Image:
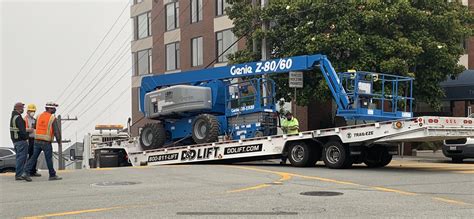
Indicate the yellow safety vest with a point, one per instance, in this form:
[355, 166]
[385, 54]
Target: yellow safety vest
[292, 126]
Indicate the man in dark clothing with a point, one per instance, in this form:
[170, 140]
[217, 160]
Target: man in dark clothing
[19, 136]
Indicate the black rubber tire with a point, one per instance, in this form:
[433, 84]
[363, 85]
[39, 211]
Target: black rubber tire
[335, 148]
[211, 132]
[377, 156]
[457, 159]
[7, 170]
[259, 134]
[156, 134]
[301, 154]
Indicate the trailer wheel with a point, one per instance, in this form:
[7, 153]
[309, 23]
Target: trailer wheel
[153, 136]
[377, 156]
[336, 155]
[301, 155]
[205, 129]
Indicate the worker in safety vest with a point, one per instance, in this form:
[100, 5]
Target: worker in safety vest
[30, 123]
[47, 128]
[19, 136]
[290, 125]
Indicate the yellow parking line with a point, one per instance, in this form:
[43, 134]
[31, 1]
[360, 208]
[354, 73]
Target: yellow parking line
[249, 188]
[393, 190]
[378, 188]
[284, 177]
[465, 171]
[450, 201]
[74, 212]
[326, 180]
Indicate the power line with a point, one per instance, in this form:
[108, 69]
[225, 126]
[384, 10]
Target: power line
[87, 109]
[79, 102]
[95, 50]
[118, 58]
[95, 63]
[119, 51]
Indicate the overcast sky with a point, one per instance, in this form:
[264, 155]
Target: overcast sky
[44, 44]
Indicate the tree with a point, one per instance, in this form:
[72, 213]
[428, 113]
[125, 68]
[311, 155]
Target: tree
[421, 39]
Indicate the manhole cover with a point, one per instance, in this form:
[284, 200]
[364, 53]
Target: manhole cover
[321, 193]
[115, 183]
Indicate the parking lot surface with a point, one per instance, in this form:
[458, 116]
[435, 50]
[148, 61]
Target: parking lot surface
[429, 188]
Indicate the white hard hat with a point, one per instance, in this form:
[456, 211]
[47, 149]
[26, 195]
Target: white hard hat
[51, 104]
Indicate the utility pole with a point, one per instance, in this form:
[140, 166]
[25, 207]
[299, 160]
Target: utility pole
[60, 141]
[254, 41]
[264, 48]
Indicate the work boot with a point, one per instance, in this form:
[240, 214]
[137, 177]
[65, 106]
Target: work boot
[27, 178]
[35, 174]
[19, 178]
[55, 178]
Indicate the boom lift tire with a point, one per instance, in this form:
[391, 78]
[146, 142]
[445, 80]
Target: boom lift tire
[336, 155]
[153, 136]
[377, 156]
[205, 129]
[301, 154]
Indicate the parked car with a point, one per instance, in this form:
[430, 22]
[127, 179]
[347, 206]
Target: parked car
[7, 160]
[459, 149]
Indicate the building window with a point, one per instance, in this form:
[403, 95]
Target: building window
[172, 16]
[220, 7]
[142, 61]
[172, 56]
[142, 25]
[196, 51]
[225, 44]
[196, 11]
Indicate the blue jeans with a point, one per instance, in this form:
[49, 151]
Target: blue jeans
[21, 149]
[47, 148]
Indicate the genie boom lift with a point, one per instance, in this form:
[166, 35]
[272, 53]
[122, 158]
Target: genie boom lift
[231, 102]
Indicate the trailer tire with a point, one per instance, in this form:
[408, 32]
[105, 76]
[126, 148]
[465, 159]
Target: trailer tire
[301, 155]
[153, 136]
[336, 155]
[377, 156]
[205, 129]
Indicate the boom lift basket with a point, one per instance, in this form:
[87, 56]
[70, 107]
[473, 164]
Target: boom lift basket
[376, 96]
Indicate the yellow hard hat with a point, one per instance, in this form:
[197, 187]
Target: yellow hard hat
[31, 107]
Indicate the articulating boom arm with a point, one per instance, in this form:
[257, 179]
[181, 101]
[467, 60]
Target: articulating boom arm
[276, 66]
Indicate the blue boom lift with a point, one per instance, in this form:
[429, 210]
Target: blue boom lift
[197, 107]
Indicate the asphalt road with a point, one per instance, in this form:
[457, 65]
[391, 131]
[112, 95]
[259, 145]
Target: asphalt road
[407, 188]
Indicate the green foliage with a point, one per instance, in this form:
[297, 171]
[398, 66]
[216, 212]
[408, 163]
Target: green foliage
[421, 39]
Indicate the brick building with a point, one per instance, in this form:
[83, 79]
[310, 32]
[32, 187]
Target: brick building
[180, 35]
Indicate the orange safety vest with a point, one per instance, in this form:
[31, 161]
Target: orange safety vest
[44, 127]
[26, 121]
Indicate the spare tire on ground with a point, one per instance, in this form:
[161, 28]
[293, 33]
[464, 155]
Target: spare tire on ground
[205, 129]
[152, 136]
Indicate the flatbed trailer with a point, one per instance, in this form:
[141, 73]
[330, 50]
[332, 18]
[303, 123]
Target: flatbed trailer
[373, 143]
